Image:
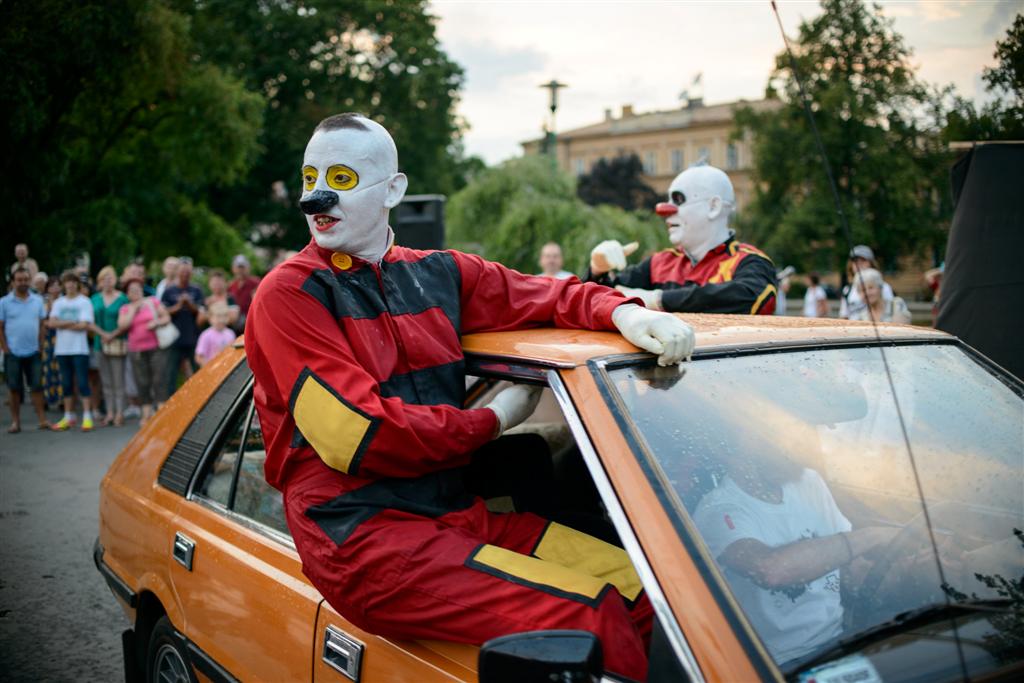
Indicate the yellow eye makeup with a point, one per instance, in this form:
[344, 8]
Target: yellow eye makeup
[309, 176]
[341, 177]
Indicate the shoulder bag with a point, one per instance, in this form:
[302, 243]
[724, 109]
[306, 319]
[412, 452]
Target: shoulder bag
[167, 333]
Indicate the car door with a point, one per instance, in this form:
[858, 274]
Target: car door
[344, 652]
[235, 571]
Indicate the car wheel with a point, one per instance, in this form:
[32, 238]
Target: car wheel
[166, 660]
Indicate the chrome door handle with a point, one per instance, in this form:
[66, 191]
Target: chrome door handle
[342, 653]
[184, 549]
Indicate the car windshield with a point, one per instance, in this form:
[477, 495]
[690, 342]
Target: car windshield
[792, 470]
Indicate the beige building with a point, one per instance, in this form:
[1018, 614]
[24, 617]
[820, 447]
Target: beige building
[666, 142]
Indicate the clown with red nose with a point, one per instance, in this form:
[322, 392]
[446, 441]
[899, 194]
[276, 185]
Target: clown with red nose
[707, 270]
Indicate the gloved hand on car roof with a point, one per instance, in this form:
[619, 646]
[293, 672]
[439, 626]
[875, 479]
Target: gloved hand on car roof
[513, 405]
[656, 331]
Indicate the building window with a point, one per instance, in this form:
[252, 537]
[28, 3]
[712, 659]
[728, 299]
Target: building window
[650, 163]
[704, 155]
[732, 157]
[580, 166]
[677, 160]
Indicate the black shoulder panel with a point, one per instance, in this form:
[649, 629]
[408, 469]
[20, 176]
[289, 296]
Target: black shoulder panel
[177, 470]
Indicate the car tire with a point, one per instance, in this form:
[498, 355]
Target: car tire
[167, 659]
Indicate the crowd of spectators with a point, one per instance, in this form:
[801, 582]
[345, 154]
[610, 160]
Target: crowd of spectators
[121, 345]
[113, 347]
[866, 295]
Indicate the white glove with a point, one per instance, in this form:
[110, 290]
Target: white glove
[610, 255]
[513, 405]
[651, 297]
[655, 331]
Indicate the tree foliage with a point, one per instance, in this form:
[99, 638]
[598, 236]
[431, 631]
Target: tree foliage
[508, 212]
[178, 126]
[1002, 118]
[881, 130]
[314, 58]
[617, 182]
[114, 136]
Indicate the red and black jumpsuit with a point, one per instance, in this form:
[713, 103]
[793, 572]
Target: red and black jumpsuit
[359, 385]
[731, 278]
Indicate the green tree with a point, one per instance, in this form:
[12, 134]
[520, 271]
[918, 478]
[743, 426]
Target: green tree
[1008, 75]
[1002, 118]
[508, 212]
[114, 136]
[880, 129]
[618, 182]
[314, 58]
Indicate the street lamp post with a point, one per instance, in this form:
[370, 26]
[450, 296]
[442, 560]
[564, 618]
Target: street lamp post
[550, 138]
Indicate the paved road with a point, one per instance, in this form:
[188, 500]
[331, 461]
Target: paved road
[58, 619]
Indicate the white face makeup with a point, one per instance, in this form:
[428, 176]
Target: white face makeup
[350, 182]
[704, 197]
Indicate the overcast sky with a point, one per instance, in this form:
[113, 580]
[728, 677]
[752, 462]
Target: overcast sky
[645, 53]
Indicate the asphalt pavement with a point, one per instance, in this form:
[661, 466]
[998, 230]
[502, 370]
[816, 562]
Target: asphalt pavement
[58, 619]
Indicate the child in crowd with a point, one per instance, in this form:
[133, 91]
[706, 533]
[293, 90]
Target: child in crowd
[72, 316]
[216, 336]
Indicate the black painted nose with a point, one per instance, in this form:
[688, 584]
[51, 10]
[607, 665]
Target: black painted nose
[318, 202]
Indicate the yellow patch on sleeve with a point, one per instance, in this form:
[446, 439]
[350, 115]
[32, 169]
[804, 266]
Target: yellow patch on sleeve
[588, 555]
[337, 431]
[768, 290]
[541, 575]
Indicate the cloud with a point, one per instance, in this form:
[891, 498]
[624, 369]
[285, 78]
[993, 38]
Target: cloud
[645, 53]
[1002, 14]
[488, 66]
[933, 11]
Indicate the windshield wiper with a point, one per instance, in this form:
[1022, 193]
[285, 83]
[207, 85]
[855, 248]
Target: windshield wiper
[901, 623]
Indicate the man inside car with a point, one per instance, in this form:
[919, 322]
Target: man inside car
[707, 270]
[784, 545]
[359, 383]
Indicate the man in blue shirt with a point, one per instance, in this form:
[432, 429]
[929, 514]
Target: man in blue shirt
[22, 313]
[182, 300]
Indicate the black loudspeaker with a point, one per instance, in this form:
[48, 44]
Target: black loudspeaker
[418, 221]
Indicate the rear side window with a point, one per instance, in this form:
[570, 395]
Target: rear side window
[180, 467]
[254, 497]
[233, 476]
[216, 481]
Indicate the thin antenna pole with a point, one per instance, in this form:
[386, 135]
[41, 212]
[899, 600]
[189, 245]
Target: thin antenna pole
[805, 101]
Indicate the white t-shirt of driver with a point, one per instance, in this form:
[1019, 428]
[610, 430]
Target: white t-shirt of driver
[796, 620]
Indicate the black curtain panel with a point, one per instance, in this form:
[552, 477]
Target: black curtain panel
[982, 299]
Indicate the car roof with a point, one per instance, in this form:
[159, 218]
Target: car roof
[568, 348]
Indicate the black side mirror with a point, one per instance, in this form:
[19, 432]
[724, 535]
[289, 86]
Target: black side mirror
[562, 656]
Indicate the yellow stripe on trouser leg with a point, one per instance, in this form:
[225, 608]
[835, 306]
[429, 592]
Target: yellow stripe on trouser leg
[530, 571]
[588, 555]
[333, 429]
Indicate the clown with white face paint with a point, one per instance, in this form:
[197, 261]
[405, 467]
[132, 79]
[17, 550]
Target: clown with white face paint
[707, 270]
[354, 344]
[350, 181]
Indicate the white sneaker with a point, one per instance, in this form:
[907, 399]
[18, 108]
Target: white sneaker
[132, 412]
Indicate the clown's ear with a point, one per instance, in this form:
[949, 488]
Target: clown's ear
[715, 207]
[397, 186]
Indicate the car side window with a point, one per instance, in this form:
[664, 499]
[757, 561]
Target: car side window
[254, 497]
[234, 476]
[217, 480]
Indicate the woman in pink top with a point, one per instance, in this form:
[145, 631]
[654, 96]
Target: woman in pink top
[140, 317]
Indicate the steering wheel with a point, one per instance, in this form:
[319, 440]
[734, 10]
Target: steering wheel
[870, 597]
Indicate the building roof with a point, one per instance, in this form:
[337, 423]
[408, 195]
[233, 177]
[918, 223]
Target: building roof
[576, 347]
[683, 117]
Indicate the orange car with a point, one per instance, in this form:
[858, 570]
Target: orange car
[788, 519]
